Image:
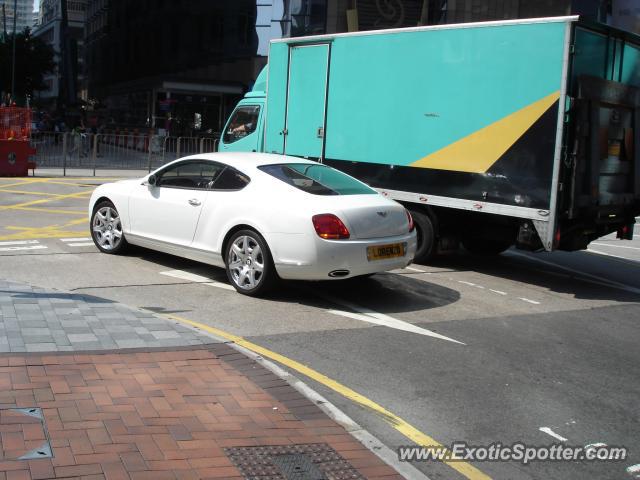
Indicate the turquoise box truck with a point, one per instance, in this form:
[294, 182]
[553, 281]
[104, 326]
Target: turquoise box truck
[493, 134]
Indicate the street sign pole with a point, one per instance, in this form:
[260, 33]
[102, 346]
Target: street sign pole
[13, 57]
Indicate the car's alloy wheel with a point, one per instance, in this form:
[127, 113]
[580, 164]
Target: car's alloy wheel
[249, 265]
[106, 228]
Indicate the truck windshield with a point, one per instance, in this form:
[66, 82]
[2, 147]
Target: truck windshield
[243, 122]
[317, 179]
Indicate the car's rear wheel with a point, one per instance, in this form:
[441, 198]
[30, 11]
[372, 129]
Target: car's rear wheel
[249, 264]
[106, 228]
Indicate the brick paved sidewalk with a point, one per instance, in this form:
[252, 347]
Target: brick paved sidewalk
[190, 412]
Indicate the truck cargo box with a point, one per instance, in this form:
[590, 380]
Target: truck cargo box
[534, 122]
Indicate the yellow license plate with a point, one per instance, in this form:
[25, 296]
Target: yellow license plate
[381, 252]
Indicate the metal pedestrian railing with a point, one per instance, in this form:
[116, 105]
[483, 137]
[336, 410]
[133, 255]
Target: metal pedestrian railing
[113, 151]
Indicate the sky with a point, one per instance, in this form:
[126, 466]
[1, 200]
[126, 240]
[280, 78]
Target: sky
[35, 4]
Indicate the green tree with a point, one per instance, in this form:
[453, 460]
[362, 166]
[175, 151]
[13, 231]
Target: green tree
[34, 59]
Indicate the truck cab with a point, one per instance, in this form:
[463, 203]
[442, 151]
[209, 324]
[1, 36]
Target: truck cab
[244, 131]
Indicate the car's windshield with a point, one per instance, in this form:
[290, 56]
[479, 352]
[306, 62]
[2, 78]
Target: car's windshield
[317, 179]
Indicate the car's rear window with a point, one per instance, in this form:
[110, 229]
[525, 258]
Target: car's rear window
[317, 179]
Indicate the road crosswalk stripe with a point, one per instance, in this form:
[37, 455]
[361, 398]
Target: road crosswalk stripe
[25, 247]
[19, 242]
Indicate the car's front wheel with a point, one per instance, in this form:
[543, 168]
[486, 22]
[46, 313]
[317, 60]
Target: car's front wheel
[106, 228]
[249, 264]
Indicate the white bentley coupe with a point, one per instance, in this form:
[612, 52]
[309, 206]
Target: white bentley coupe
[259, 216]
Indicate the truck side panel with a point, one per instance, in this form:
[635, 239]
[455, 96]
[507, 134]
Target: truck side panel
[306, 100]
[466, 113]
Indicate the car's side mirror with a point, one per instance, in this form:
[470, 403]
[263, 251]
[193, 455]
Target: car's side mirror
[152, 180]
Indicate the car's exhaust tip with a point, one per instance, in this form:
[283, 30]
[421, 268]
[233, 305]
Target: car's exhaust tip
[338, 273]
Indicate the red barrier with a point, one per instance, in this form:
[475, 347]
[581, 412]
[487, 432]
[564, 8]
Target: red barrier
[15, 130]
[14, 158]
[15, 123]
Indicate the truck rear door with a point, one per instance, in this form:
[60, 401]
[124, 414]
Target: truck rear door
[602, 165]
[306, 101]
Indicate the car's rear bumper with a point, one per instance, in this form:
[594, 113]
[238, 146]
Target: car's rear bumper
[314, 258]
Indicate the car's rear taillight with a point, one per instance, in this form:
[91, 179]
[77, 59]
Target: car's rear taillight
[330, 227]
[411, 224]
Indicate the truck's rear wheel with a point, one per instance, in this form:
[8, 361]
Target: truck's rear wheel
[480, 246]
[426, 237]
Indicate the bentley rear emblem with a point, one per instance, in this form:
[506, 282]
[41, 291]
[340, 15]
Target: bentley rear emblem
[382, 214]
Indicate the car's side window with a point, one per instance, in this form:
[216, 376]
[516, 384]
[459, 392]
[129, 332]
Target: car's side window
[231, 179]
[190, 175]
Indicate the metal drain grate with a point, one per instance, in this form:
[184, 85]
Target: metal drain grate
[313, 461]
[24, 434]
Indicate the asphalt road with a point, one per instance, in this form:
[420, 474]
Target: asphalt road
[472, 349]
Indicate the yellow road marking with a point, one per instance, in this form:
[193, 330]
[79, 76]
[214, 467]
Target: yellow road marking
[52, 210]
[45, 200]
[49, 231]
[39, 235]
[70, 184]
[16, 184]
[84, 178]
[413, 434]
[73, 180]
[26, 192]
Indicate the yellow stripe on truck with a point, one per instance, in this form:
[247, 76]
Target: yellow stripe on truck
[476, 153]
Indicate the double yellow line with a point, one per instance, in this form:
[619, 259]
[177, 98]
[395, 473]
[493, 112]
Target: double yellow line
[465, 469]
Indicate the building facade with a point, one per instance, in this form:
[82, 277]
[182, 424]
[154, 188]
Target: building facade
[349, 15]
[24, 18]
[50, 29]
[179, 66]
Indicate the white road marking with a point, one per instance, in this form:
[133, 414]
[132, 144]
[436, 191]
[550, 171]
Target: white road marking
[634, 470]
[19, 242]
[192, 277]
[471, 284]
[528, 300]
[614, 246]
[28, 247]
[79, 239]
[369, 316]
[617, 258]
[84, 244]
[548, 431]
[395, 324]
[587, 276]
[362, 314]
[499, 292]
[415, 269]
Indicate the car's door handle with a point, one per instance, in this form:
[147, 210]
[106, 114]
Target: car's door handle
[194, 201]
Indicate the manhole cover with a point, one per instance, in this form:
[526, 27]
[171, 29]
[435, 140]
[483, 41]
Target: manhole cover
[297, 467]
[23, 434]
[313, 461]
